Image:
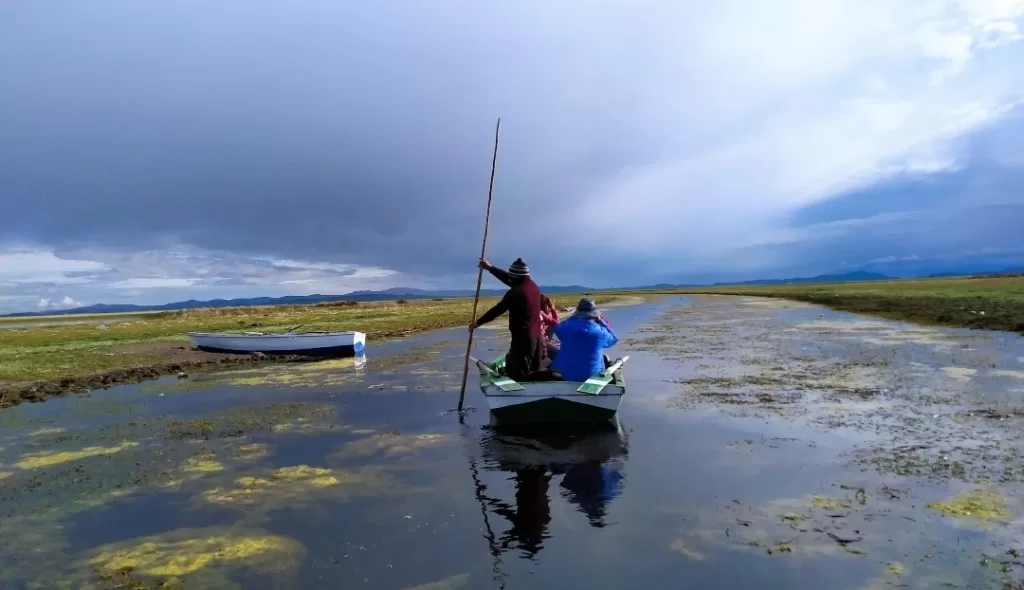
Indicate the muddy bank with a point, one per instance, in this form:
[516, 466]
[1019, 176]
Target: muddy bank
[174, 359]
[167, 358]
[77, 357]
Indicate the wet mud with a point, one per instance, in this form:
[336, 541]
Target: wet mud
[761, 443]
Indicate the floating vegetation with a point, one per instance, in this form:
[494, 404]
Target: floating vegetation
[205, 464]
[896, 569]
[276, 417]
[51, 458]
[202, 557]
[291, 486]
[392, 444]
[251, 451]
[979, 507]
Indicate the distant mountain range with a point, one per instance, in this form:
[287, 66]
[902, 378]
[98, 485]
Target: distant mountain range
[384, 295]
[411, 293]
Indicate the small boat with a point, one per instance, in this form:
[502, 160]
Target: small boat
[593, 401]
[289, 343]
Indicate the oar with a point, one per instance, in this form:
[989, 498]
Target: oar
[480, 270]
[500, 381]
[598, 382]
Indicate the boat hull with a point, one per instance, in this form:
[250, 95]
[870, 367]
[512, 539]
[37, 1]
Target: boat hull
[552, 402]
[555, 410]
[328, 344]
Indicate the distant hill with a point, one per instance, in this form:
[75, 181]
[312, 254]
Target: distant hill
[413, 293]
[849, 277]
[384, 295]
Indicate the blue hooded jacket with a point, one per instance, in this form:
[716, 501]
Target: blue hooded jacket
[581, 355]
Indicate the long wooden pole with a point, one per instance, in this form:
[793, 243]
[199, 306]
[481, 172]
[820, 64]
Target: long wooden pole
[480, 270]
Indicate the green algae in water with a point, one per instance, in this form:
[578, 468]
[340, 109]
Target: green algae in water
[982, 506]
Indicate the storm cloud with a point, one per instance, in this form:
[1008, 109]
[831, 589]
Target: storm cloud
[183, 147]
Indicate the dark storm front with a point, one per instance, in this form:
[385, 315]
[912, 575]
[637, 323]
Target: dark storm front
[760, 446]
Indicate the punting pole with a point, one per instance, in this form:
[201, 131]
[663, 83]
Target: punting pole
[480, 271]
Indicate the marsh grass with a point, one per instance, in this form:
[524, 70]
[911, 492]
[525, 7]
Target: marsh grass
[991, 303]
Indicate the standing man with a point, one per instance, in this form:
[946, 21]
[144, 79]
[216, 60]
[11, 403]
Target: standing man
[522, 302]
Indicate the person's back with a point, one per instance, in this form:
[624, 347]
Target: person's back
[583, 337]
[522, 302]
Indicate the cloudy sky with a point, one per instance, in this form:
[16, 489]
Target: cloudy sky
[175, 149]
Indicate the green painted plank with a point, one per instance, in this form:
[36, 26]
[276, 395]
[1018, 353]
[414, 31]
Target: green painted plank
[597, 383]
[502, 382]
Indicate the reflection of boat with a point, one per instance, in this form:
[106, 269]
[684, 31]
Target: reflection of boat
[587, 460]
[593, 401]
[304, 344]
[510, 448]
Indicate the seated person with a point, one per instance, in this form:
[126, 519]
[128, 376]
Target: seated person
[583, 336]
[549, 319]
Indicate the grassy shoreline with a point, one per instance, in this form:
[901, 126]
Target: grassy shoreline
[42, 361]
[39, 362]
[987, 303]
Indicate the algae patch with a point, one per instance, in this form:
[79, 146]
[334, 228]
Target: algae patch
[982, 506]
[392, 444]
[206, 464]
[289, 486]
[50, 458]
[182, 554]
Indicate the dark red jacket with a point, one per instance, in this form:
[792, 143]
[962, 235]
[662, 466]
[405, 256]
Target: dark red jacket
[522, 302]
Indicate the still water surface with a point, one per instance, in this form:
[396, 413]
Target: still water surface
[357, 475]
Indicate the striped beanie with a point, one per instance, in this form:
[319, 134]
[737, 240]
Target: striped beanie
[519, 270]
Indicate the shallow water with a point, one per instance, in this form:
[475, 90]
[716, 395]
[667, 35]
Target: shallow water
[762, 444]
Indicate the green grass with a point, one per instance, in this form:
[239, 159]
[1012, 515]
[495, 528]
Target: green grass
[64, 353]
[952, 302]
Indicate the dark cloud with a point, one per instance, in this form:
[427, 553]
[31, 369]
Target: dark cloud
[361, 134]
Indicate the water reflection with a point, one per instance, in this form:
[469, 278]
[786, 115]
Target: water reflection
[589, 462]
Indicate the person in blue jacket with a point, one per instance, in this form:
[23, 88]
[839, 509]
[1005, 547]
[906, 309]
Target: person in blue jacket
[584, 335]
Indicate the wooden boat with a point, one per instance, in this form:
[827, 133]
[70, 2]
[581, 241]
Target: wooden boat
[566, 402]
[288, 343]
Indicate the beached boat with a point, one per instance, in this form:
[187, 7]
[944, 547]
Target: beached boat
[288, 343]
[594, 401]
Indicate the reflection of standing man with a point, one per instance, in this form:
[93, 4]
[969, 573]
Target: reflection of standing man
[532, 514]
[522, 301]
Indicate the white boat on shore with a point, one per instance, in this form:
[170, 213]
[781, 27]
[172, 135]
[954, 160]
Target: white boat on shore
[288, 343]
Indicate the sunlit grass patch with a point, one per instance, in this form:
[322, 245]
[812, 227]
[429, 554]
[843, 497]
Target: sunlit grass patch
[205, 464]
[978, 508]
[50, 458]
[204, 557]
[250, 451]
[291, 486]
